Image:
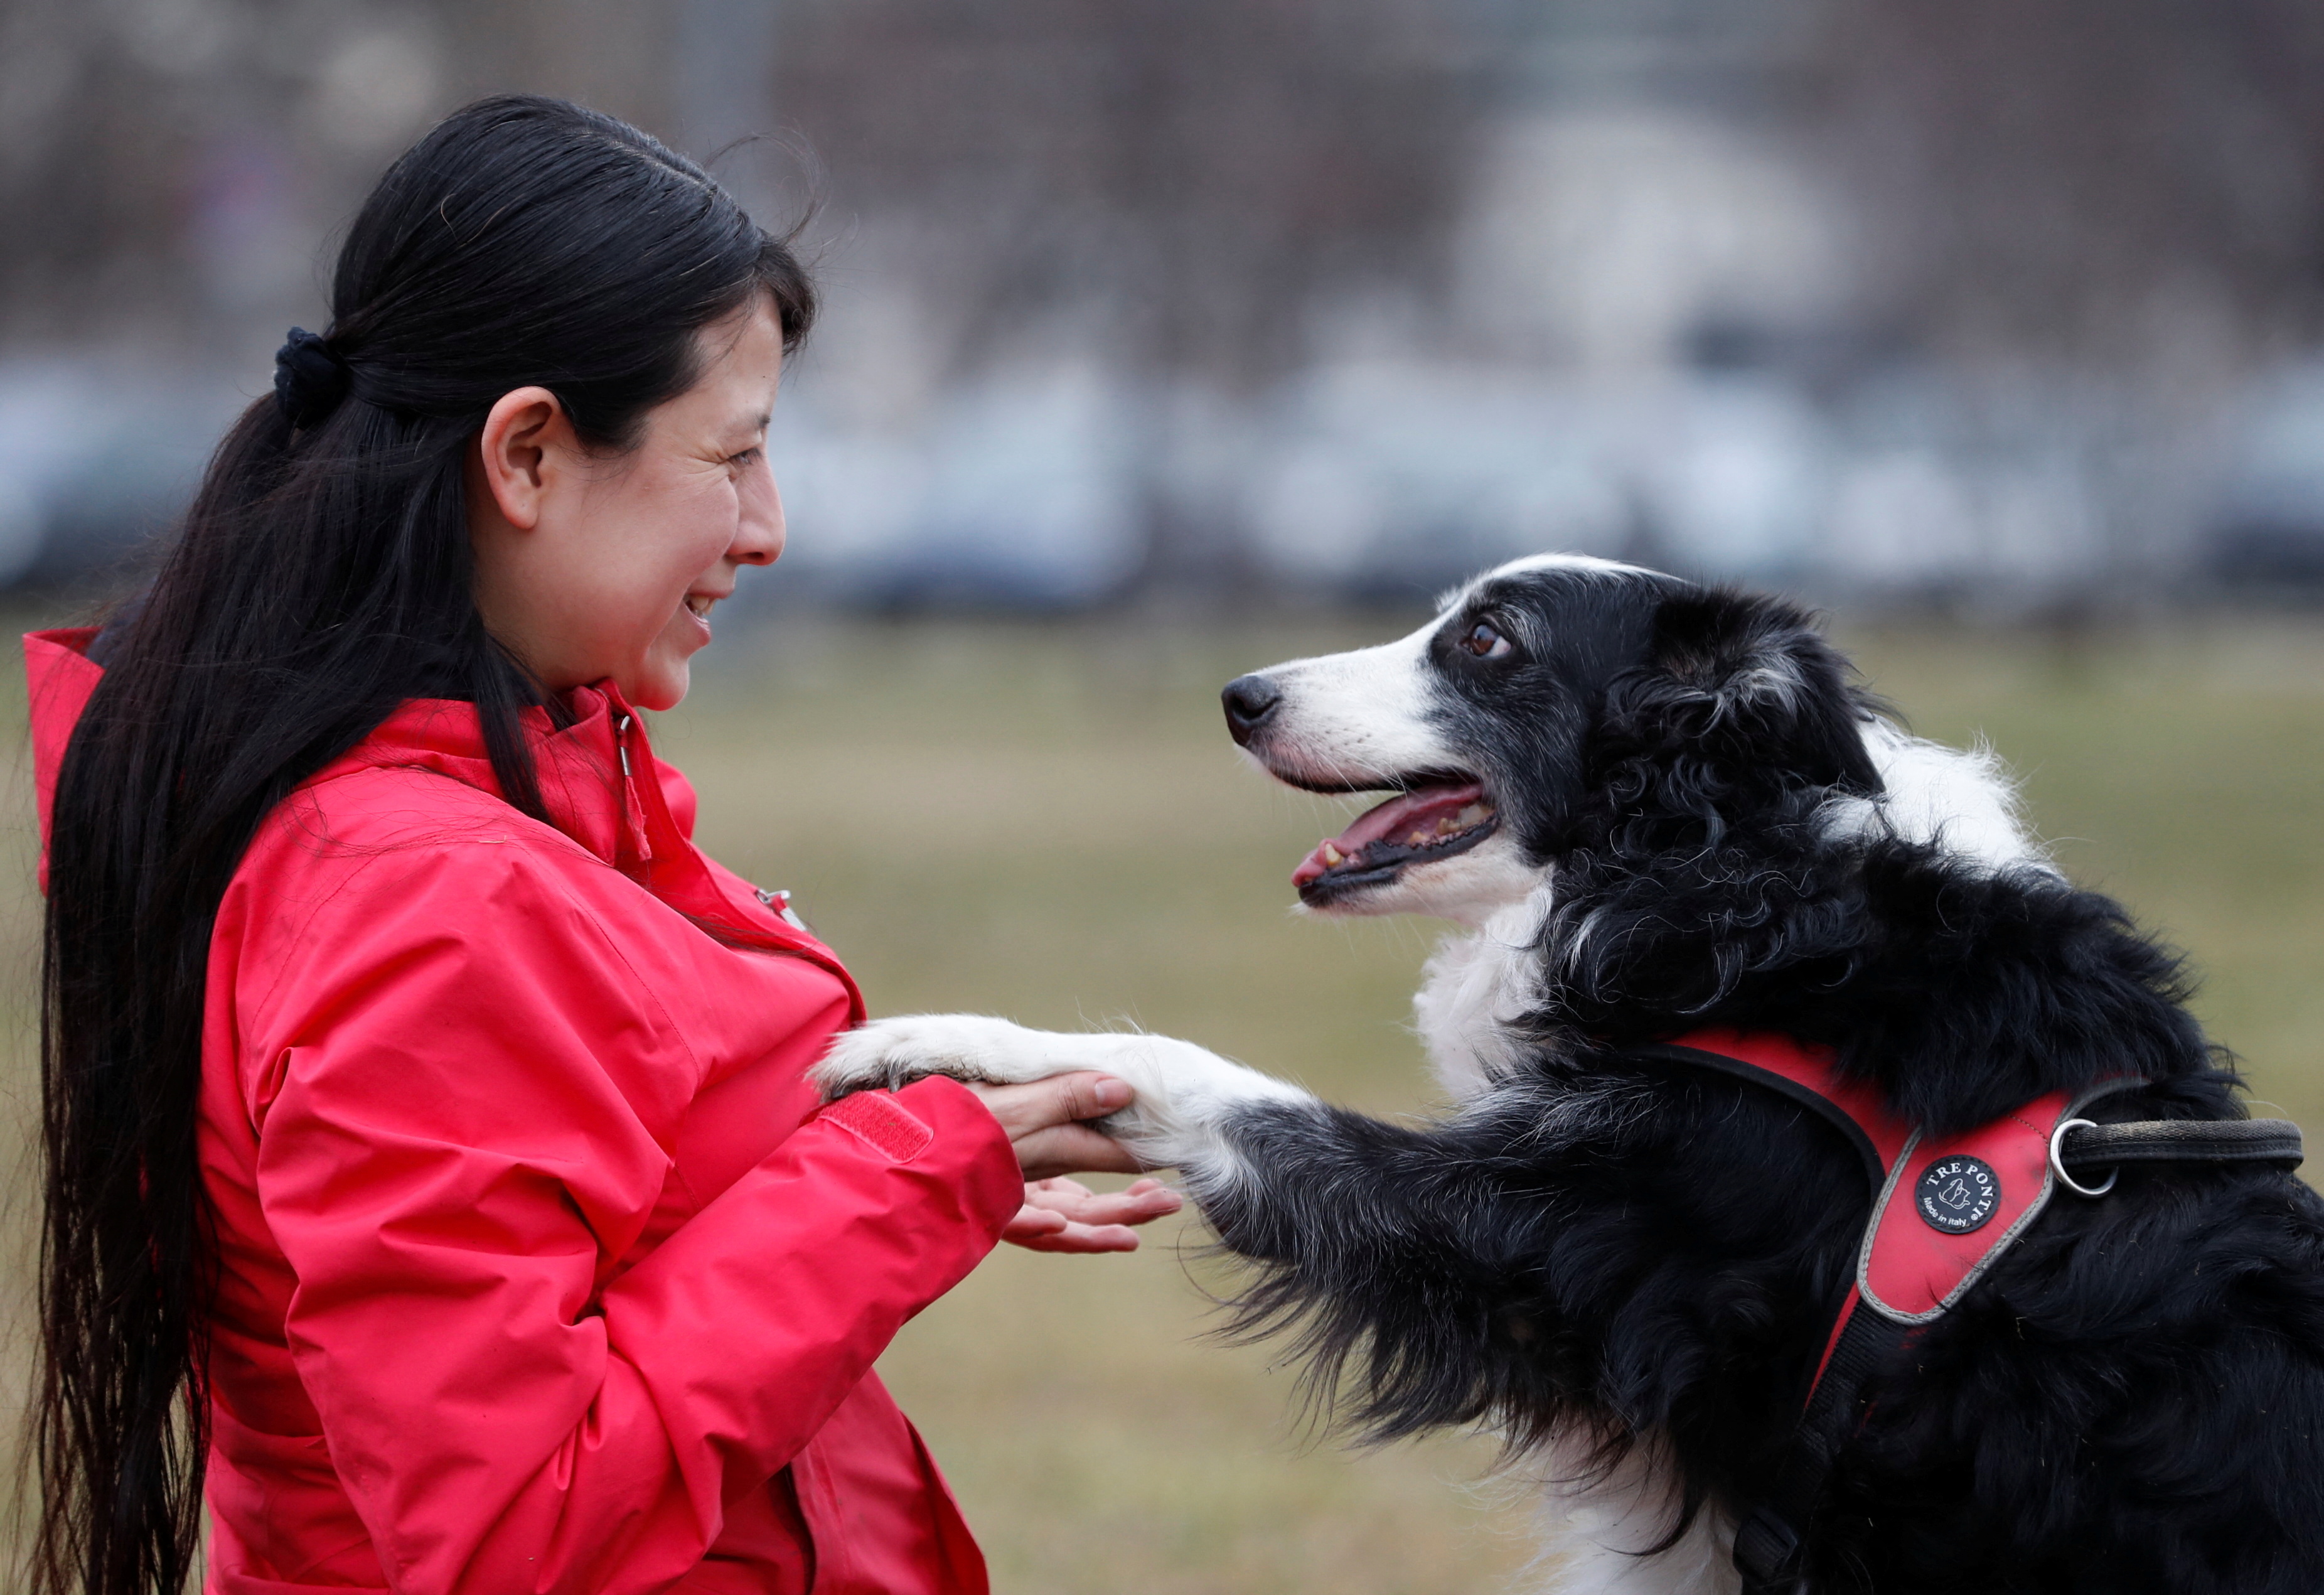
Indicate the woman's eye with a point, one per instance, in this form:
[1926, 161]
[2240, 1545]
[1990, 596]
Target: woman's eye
[1485, 641]
[746, 457]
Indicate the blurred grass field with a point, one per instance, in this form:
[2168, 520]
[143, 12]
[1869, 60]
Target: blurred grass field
[1047, 822]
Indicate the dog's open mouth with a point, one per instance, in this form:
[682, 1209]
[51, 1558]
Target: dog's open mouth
[1414, 827]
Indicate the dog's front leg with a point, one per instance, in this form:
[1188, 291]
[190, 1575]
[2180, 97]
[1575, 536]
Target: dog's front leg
[1184, 1093]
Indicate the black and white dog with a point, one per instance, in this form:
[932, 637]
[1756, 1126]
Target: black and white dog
[1655, 807]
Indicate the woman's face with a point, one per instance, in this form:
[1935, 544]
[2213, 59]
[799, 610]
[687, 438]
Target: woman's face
[592, 567]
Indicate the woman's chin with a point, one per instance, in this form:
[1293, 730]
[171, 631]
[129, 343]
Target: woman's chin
[660, 689]
[655, 684]
[659, 680]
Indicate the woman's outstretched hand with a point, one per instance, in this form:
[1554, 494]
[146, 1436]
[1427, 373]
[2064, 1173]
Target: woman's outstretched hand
[1064, 1215]
[1045, 1122]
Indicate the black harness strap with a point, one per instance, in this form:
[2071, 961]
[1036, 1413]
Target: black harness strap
[1771, 1543]
[2087, 1149]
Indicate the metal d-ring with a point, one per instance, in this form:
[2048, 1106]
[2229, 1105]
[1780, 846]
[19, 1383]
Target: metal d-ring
[2058, 1168]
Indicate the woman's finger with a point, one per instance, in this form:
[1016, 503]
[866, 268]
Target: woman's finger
[1069, 1149]
[1121, 1207]
[1059, 1192]
[1060, 1100]
[1031, 1224]
[1064, 1215]
[1141, 1203]
[1081, 1238]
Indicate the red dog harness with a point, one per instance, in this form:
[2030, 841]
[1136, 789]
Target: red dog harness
[1946, 1209]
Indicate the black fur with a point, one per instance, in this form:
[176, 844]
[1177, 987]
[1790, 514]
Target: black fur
[1639, 1253]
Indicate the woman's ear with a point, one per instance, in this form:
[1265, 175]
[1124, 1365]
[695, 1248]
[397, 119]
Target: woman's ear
[523, 434]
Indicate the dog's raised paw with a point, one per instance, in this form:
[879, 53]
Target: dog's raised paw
[887, 1054]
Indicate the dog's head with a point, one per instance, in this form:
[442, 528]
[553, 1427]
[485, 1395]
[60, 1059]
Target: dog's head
[1548, 700]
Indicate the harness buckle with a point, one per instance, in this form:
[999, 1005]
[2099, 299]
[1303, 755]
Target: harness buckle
[2058, 1166]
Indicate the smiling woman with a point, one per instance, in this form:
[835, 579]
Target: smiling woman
[433, 1186]
[591, 569]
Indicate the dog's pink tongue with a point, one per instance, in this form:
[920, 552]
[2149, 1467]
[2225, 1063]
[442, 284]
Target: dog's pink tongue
[1417, 810]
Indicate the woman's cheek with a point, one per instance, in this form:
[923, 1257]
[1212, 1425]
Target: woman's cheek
[686, 529]
[722, 526]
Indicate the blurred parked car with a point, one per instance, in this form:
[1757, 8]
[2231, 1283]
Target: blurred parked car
[2267, 531]
[95, 457]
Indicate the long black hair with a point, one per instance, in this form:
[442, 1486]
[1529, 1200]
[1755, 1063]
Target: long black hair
[322, 577]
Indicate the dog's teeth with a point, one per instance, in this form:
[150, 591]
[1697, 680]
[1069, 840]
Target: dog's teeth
[1333, 857]
[1474, 814]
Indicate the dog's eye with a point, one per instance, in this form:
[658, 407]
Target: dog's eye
[1486, 641]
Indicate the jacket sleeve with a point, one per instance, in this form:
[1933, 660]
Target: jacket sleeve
[470, 1123]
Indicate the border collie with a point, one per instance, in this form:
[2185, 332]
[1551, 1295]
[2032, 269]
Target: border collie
[1655, 807]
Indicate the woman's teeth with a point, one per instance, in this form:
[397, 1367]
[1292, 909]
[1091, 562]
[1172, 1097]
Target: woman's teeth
[699, 604]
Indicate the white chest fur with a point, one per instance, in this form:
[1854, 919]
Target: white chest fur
[1476, 985]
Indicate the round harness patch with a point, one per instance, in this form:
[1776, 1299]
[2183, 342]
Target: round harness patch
[1957, 1194]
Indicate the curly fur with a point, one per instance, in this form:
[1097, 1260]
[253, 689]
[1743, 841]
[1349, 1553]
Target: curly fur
[1601, 1252]
[1627, 1267]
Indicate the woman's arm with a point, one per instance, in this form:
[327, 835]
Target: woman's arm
[465, 1132]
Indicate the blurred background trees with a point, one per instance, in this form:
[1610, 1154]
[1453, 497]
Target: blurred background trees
[2004, 303]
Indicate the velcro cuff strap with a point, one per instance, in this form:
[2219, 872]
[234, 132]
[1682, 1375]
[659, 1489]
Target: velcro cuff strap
[886, 1124]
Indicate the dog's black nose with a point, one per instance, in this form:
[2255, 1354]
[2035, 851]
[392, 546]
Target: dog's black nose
[1250, 700]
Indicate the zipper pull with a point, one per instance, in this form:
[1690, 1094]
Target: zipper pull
[632, 811]
[780, 901]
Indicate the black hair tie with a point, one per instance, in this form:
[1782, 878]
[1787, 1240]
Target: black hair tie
[309, 378]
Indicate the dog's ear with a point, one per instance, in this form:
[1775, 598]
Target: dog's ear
[1743, 693]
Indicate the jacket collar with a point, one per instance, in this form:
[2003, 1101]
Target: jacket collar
[58, 678]
[581, 766]
[600, 784]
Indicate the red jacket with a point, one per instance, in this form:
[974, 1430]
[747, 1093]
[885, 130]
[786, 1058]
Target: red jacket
[541, 1268]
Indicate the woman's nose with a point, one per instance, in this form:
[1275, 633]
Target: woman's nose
[758, 535]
